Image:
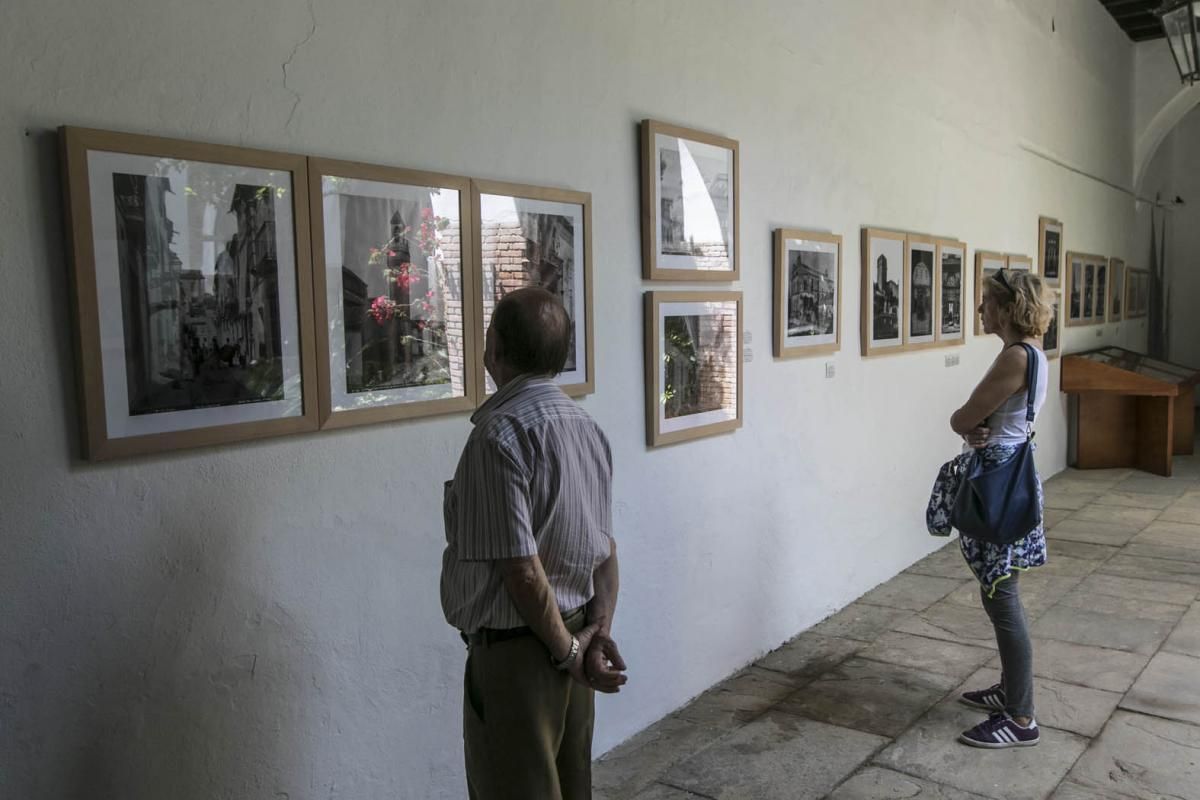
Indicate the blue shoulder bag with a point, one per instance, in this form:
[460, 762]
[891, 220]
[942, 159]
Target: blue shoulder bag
[1000, 504]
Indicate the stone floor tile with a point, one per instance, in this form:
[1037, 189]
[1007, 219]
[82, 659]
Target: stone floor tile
[737, 700]
[777, 757]
[809, 655]
[1190, 499]
[1135, 500]
[944, 563]
[1150, 569]
[1127, 607]
[1070, 498]
[1169, 687]
[1170, 539]
[1114, 534]
[1183, 514]
[1053, 516]
[1073, 791]
[1059, 705]
[1067, 547]
[1115, 475]
[661, 791]
[869, 696]
[1118, 515]
[1143, 483]
[930, 750]
[1097, 667]
[875, 783]
[1071, 566]
[860, 621]
[911, 592]
[1141, 589]
[954, 622]
[631, 766]
[1185, 638]
[1143, 550]
[1081, 626]
[935, 655]
[1141, 757]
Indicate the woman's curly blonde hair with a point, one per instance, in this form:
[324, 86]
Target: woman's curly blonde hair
[1027, 303]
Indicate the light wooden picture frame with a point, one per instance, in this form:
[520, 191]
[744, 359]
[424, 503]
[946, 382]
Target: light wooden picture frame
[534, 235]
[920, 271]
[951, 292]
[987, 262]
[884, 289]
[808, 293]
[693, 365]
[395, 287]
[1116, 294]
[690, 204]
[1015, 262]
[192, 292]
[1052, 339]
[1080, 305]
[1050, 250]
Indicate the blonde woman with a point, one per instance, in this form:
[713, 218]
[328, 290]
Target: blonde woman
[993, 422]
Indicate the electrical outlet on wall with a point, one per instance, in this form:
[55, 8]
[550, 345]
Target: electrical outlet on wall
[952, 360]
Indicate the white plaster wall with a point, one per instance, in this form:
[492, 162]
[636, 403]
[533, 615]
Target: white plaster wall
[262, 620]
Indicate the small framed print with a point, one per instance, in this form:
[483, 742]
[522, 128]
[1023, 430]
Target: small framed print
[693, 365]
[536, 236]
[1137, 293]
[920, 254]
[1089, 291]
[808, 293]
[689, 204]
[1116, 277]
[883, 291]
[987, 263]
[1074, 288]
[1017, 263]
[1050, 340]
[1050, 233]
[393, 276]
[1101, 302]
[193, 292]
[951, 290]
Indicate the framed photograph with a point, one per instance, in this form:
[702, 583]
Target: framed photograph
[808, 293]
[1101, 308]
[1050, 233]
[1089, 291]
[689, 204]
[1116, 303]
[1018, 263]
[987, 263]
[920, 267]
[1074, 292]
[193, 292]
[951, 290]
[393, 276]
[1050, 340]
[535, 236]
[883, 291]
[1137, 293]
[693, 365]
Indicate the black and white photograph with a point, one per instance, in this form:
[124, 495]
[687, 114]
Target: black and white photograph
[1101, 291]
[1089, 290]
[529, 242]
[1075, 307]
[808, 274]
[920, 304]
[1050, 338]
[885, 273]
[692, 197]
[393, 287]
[987, 263]
[696, 345]
[950, 290]
[1051, 255]
[1117, 290]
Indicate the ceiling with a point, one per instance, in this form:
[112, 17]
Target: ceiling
[1136, 18]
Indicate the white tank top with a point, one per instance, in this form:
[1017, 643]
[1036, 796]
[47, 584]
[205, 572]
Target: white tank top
[1007, 423]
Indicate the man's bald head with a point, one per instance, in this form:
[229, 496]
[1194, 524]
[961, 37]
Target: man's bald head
[532, 332]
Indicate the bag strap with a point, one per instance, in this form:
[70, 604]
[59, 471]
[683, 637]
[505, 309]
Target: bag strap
[1031, 376]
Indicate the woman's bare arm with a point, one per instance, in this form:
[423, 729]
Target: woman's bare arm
[1005, 378]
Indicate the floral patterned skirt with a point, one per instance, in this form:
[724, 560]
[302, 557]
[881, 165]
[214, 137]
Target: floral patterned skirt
[991, 563]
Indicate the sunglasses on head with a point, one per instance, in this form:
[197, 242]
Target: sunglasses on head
[1003, 281]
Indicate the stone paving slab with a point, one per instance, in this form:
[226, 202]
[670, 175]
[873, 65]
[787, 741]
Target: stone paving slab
[876, 783]
[1114, 534]
[944, 563]
[1127, 607]
[1070, 498]
[1070, 566]
[1135, 500]
[1117, 515]
[1109, 476]
[738, 699]
[659, 791]
[1082, 626]
[1096, 667]
[1169, 687]
[777, 757]
[870, 696]
[1140, 757]
[1189, 499]
[1150, 569]
[1184, 514]
[1143, 483]
[1185, 639]
[930, 750]
[860, 621]
[1141, 589]
[633, 765]
[1067, 547]
[954, 622]
[1053, 516]
[934, 655]
[911, 592]
[809, 655]
[1064, 706]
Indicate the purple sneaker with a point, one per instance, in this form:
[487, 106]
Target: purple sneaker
[999, 731]
[991, 699]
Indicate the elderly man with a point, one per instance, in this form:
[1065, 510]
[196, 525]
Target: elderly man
[529, 575]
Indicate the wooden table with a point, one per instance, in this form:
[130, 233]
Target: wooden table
[1128, 410]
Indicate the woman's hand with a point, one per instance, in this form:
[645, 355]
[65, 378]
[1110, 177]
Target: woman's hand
[977, 437]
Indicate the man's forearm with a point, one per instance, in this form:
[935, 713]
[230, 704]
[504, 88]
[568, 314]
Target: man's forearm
[606, 583]
[526, 582]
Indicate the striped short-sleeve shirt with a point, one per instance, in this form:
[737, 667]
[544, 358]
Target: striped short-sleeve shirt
[535, 477]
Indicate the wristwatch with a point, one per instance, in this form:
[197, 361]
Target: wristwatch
[570, 657]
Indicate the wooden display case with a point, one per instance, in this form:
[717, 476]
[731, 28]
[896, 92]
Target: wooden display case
[1128, 410]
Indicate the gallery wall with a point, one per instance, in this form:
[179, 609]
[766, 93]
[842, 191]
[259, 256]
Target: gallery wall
[262, 619]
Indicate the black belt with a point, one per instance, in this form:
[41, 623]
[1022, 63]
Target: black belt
[485, 636]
